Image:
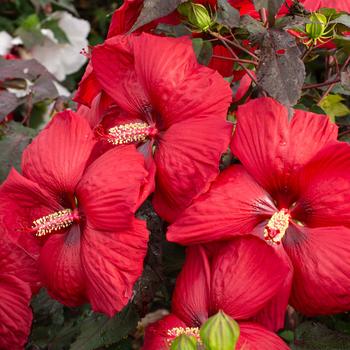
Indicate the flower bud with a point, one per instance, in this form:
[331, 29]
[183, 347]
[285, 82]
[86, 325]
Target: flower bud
[317, 27]
[220, 332]
[197, 15]
[184, 342]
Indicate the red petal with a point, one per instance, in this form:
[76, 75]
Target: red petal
[156, 334]
[314, 5]
[61, 268]
[191, 296]
[187, 160]
[113, 64]
[234, 205]
[22, 202]
[17, 262]
[254, 337]
[324, 188]
[124, 18]
[15, 313]
[89, 87]
[57, 157]
[243, 87]
[246, 264]
[112, 263]
[272, 316]
[222, 65]
[271, 148]
[321, 271]
[112, 188]
[176, 83]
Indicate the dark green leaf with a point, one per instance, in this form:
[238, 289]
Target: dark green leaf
[281, 72]
[343, 19]
[99, 330]
[14, 139]
[345, 78]
[203, 50]
[272, 7]
[316, 336]
[227, 15]
[154, 9]
[255, 28]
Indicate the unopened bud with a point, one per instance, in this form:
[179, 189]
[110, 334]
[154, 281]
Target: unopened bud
[184, 342]
[317, 26]
[197, 15]
[220, 332]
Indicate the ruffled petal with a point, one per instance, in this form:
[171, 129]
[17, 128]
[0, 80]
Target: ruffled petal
[273, 149]
[112, 188]
[89, 87]
[254, 337]
[22, 202]
[125, 17]
[15, 261]
[234, 205]
[113, 64]
[320, 258]
[112, 263]
[246, 274]
[156, 334]
[187, 159]
[272, 315]
[176, 84]
[324, 191]
[314, 5]
[15, 313]
[61, 269]
[57, 157]
[192, 290]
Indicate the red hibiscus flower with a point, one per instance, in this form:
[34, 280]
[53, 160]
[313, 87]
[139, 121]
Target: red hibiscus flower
[168, 105]
[77, 217]
[239, 278]
[17, 273]
[293, 192]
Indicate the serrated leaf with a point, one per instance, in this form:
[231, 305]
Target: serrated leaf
[255, 28]
[154, 9]
[227, 15]
[281, 72]
[14, 139]
[99, 330]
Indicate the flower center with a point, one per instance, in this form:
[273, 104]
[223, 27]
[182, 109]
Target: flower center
[177, 331]
[276, 228]
[54, 222]
[127, 133]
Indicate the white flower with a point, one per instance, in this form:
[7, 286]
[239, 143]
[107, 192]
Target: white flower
[5, 43]
[62, 59]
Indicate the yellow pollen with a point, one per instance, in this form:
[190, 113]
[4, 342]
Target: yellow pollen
[276, 228]
[177, 331]
[53, 222]
[128, 133]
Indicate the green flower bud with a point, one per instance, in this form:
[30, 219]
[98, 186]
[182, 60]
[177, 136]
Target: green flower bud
[184, 342]
[317, 27]
[220, 332]
[197, 15]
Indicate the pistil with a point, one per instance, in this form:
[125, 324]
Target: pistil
[54, 222]
[276, 228]
[127, 133]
